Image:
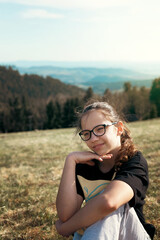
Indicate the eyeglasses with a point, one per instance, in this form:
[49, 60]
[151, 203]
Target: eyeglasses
[98, 131]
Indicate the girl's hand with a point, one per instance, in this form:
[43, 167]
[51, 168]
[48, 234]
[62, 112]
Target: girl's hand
[87, 157]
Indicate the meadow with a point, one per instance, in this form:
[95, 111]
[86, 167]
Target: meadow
[31, 164]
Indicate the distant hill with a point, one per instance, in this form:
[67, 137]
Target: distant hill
[109, 79]
[82, 74]
[100, 83]
[100, 87]
[33, 87]
[98, 78]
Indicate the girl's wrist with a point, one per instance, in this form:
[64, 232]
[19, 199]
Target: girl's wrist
[71, 159]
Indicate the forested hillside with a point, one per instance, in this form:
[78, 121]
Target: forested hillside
[33, 87]
[29, 102]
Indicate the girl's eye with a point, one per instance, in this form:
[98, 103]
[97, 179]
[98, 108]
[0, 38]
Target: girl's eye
[99, 129]
[86, 134]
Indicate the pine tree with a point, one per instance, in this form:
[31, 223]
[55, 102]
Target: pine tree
[2, 122]
[89, 94]
[16, 116]
[58, 115]
[153, 111]
[50, 111]
[155, 94]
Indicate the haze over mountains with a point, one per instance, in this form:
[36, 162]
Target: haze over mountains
[99, 76]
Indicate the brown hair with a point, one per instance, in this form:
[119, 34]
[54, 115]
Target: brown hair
[128, 148]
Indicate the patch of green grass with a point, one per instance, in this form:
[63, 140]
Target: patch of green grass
[31, 164]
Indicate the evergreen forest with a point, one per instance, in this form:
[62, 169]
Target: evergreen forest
[32, 102]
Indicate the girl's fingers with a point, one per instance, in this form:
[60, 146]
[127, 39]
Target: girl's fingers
[83, 157]
[99, 158]
[107, 156]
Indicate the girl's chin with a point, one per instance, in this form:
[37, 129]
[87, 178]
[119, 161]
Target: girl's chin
[101, 153]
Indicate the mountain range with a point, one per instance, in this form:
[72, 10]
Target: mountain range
[99, 78]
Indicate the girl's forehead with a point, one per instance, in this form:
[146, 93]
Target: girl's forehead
[93, 118]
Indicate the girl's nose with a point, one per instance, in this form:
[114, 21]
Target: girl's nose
[93, 137]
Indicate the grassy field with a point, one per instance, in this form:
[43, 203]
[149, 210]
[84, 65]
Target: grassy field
[30, 169]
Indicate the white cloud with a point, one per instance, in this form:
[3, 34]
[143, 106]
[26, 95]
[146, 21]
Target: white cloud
[91, 20]
[89, 4]
[39, 13]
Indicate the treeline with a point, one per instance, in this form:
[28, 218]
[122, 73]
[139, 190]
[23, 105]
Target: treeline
[136, 103]
[22, 113]
[19, 117]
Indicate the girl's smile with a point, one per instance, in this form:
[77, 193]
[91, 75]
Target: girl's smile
[98, 146]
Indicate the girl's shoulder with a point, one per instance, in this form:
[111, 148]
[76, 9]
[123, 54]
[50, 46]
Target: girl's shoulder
[138, 158]
[137, 161]
[134, 171]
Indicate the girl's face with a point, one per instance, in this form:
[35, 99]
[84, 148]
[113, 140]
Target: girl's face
[110, 142]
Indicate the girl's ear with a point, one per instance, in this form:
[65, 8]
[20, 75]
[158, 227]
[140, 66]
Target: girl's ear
[120, 128]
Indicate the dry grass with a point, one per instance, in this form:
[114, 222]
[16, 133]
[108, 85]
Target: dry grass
[30, 168]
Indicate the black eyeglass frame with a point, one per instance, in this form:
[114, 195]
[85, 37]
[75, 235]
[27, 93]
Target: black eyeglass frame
[90, 131]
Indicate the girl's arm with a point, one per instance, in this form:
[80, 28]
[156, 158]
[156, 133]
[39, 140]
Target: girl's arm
[68, 201]
[115, 195]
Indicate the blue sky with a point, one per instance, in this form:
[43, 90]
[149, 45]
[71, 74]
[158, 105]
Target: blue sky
[80, 30]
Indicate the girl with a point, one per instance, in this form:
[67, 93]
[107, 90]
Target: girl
[112, 178]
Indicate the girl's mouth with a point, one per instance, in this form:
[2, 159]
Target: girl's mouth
[98, 146]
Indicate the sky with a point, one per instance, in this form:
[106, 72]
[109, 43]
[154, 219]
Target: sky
[79, 30]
